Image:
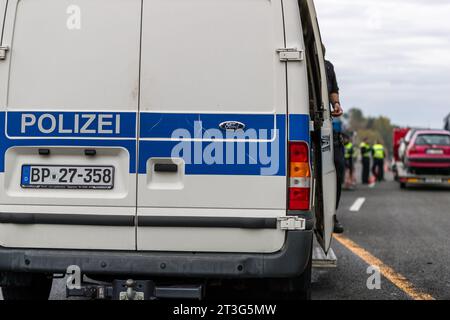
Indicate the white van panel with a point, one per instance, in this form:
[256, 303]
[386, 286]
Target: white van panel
[66, 72]
[3, 67]
[92, 68]
[298, 95]
[205, 63]
[67, 237]
[210, 239]
[2, 16]
[211, 56]
[212, 61]
[204, 191]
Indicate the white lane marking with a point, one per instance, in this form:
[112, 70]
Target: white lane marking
[357, 205]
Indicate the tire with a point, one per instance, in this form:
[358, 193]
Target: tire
[301, 286]
[402, 185]
[395, 176]
[294, 289]
[38, 289]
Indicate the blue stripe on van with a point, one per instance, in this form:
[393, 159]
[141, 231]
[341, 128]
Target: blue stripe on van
[164, 125]
[8, 142]
[56, 124]
[214, 158]
[299, 127]
[225, 158]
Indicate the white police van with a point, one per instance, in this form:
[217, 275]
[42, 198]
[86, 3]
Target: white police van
[162, 141]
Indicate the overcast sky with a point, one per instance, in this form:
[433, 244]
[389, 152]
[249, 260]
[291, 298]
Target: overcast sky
[392, 57]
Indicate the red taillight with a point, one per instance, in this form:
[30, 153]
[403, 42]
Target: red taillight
[299, 198]
[298, 152]
[417, 150]
[412, 151]
[299, 176]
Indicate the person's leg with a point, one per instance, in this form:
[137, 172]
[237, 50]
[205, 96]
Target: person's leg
[374, 169]
[381, 170]
[366, 170]
[363, 171]
[352, 173]
[347, 174]
[339, 162]
[340, 174]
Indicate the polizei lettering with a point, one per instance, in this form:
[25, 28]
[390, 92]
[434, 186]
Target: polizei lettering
[66, 124]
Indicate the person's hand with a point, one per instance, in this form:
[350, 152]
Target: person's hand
[337, 110]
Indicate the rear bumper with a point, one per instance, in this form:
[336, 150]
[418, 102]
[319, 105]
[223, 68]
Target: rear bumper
[404, 172]
[420, 165]
[290, 261]
[428, 162]
[425, 180]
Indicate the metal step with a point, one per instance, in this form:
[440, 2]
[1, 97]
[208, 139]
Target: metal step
[322, 260]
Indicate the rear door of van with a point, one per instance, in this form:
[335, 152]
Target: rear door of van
[212, 132]
[2, 16]
[325, 202]
[69, 100]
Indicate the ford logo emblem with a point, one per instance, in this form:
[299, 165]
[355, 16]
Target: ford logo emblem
[232, 126]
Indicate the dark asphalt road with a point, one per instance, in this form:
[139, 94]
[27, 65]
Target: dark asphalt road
[409, 230]
[406, 229]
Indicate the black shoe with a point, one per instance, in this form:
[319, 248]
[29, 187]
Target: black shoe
[338, 228]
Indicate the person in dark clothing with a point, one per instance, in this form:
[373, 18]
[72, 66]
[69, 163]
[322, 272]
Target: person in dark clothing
[379, 154]
[333, 90]
[349, 163]
[339, 151]
[339, 159]
[366, 152]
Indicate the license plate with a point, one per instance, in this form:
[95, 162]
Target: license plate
[435, 151]
[433, 180]
[67, 177]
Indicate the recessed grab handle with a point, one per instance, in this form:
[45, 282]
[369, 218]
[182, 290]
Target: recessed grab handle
[166, 167]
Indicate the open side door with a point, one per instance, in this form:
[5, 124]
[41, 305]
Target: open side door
[3, 49]
[325, 174]
[2, 16]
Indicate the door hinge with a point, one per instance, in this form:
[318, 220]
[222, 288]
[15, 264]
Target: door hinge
[3, 51]
[290, 54]
[292, 223]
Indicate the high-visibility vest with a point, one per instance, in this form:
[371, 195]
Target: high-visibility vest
[367, 152]
[378, 151]
[349, 150]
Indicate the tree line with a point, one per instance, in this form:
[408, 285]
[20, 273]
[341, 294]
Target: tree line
[376, 129]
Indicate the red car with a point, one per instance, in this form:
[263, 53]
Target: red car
[428, 152]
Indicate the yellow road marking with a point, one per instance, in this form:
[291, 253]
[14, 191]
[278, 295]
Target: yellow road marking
[396, 278]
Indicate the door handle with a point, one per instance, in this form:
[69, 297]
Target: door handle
[166, 167]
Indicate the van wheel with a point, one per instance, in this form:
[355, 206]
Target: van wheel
[300, 287]
[294, 289]
[36, 288]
